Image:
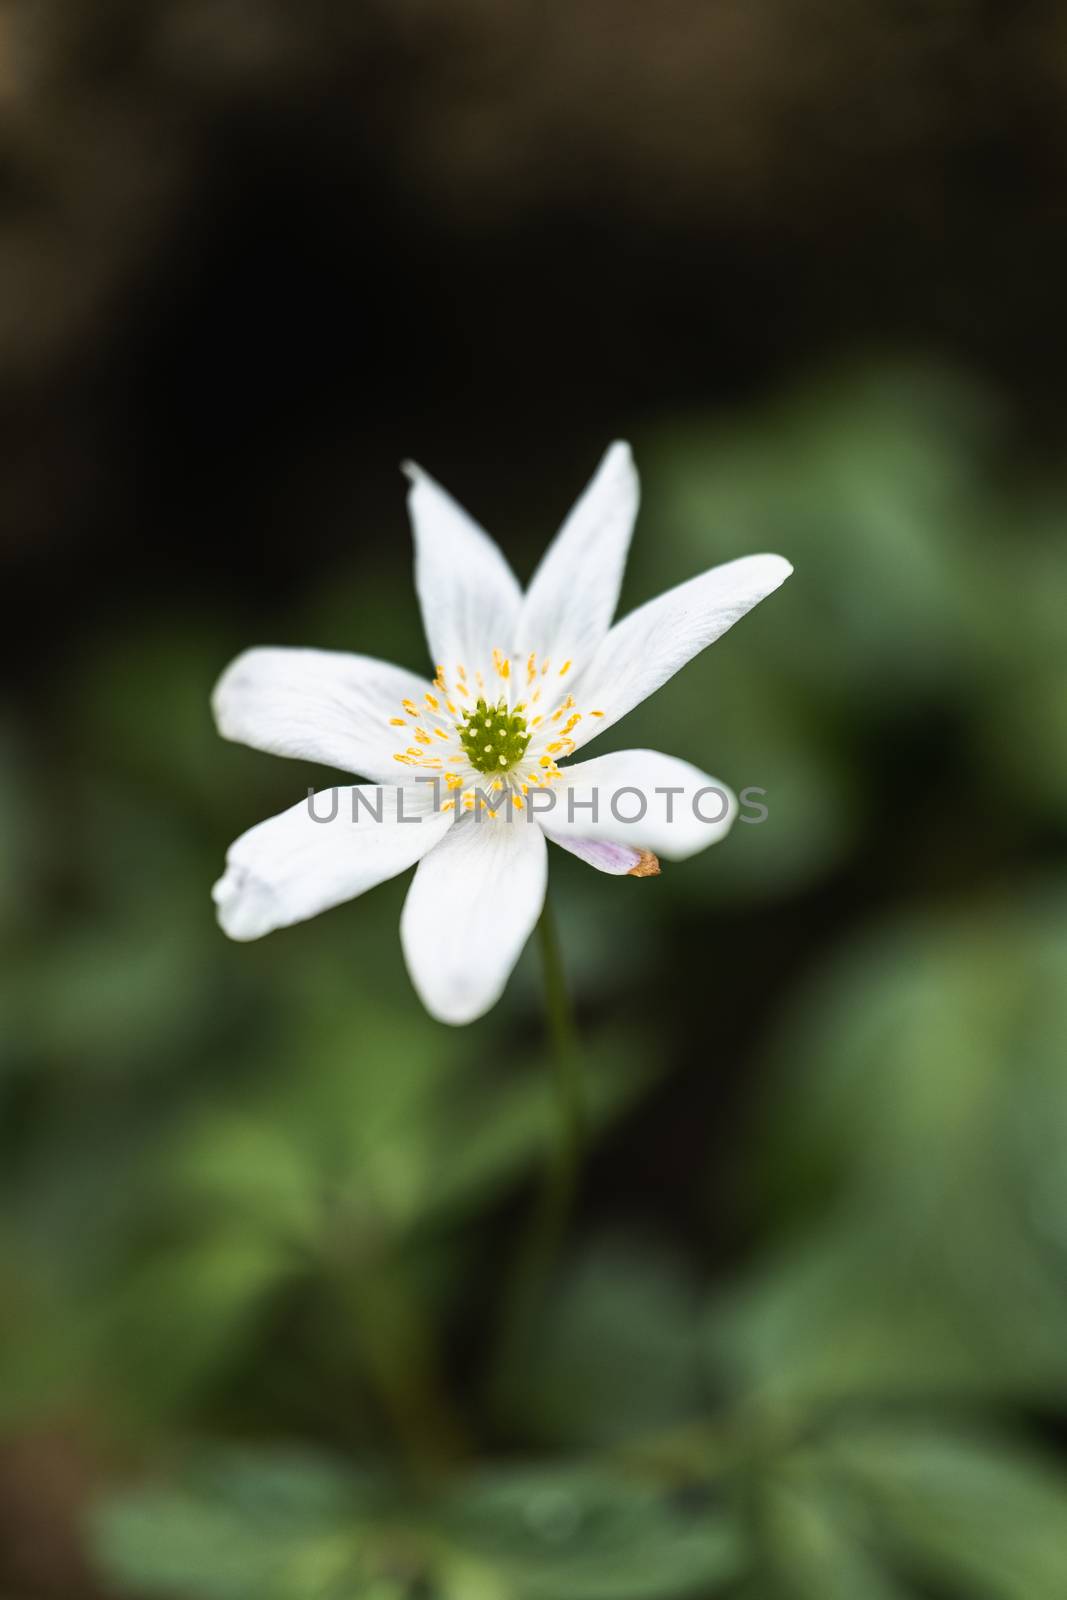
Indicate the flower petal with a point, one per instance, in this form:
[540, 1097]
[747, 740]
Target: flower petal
[318, 705]
[572, 596]
[304, 861]
[603, 854]
[620, 797]
[650, 645]
[468, 594]
[470, 910]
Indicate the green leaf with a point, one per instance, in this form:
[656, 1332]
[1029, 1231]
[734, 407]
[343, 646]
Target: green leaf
[576, 1533]
[869, 483]
[913, 1127]
[615, 1352]
[815, 1545]
[246, 1527]
[187, 1315]
[968, 1508]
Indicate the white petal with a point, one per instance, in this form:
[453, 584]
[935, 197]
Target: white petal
[650, 645]
[317, 705]
[572, 596]
[470, 910]
[604, 854]
[468, 593]
[621, 797]
[293, 866]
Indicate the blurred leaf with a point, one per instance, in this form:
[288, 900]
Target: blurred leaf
[412, 1136]
[868, 483]
[917, 1103]
[253, 1527]
[178, 1321]
[968, 1509]
[816, 1542]
[748, 726]
[489, 1134]
[572, 1533]
[848, 1311]
[615, 1352]
[248, 1527]
[1021, 718]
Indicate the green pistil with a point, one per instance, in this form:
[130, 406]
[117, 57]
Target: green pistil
[493, 738]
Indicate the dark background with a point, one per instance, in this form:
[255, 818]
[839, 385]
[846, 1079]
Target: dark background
[252, 253]
[810, 260]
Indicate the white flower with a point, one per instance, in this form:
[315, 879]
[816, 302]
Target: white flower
[522, 681]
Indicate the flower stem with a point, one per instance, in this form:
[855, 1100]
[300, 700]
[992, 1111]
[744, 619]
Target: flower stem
[397, 1351]
[567, 1125]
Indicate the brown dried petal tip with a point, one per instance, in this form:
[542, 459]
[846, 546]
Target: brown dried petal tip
[646, 867]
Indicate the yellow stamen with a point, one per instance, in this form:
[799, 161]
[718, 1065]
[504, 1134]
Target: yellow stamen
[564, 668]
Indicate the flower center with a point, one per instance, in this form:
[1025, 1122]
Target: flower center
[493, 737]
[514, 746]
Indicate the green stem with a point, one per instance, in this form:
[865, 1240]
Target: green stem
[397, 1352]
[548, 1223]
[396, 1348]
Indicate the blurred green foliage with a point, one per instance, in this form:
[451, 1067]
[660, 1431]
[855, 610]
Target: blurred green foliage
[809, 1335]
